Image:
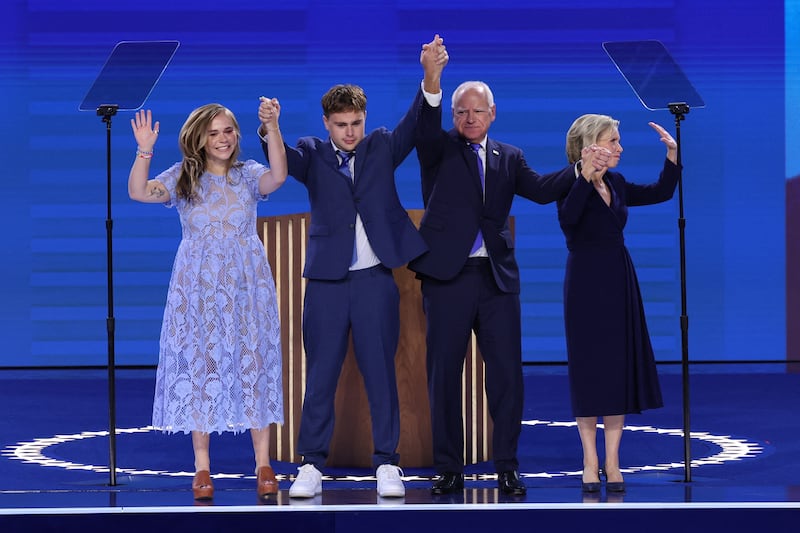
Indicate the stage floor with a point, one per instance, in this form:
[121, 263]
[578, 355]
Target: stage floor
[745, 450]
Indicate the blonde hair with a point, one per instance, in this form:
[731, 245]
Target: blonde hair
[192, 141]
[585, 131]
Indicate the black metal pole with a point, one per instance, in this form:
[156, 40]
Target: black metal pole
[680, 110]
[107, 111]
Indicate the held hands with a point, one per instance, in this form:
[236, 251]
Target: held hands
[144, 131]
[594, 162]
[433, 58]
[666, 138]
[269, 109]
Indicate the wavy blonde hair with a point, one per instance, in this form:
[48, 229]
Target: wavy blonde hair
[585, 131]
[192, 141]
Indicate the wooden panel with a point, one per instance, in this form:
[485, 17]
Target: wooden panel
[284, 240]
[351, 445]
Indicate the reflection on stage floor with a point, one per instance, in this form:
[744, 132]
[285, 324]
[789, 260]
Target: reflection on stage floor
[745, 450]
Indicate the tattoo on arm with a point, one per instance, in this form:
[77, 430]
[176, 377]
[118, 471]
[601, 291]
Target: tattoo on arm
[157, 190]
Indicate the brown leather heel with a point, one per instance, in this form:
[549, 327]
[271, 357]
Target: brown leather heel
[202, 487]
[266, 482]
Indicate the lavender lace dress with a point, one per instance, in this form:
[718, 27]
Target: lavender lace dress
[219, 366]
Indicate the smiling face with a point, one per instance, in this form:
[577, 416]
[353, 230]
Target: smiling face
[222, 139]
[210, 138]
[609, 140]
[473, 114]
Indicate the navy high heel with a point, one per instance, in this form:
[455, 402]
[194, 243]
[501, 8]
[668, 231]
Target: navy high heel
[611, 486]
[592, 486]
[615, 486]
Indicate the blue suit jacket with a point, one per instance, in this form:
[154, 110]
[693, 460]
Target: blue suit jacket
[455, 208]
[335, 199]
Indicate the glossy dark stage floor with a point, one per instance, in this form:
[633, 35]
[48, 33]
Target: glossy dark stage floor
[745, 473]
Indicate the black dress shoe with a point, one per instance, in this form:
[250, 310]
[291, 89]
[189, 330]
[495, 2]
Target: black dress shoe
[509, 483]
[448, 482]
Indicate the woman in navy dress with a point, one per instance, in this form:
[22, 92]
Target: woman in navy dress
[612, 369]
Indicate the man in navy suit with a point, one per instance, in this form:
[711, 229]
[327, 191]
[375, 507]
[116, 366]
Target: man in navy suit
[470, 277]
[358, 232]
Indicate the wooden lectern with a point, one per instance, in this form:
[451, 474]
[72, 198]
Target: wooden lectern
[285, 240]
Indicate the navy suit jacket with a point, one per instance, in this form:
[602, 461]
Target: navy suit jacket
[455, 207]
[335, 199]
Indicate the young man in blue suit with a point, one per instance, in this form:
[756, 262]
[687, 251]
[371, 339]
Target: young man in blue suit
[470, 277]
[358, 232]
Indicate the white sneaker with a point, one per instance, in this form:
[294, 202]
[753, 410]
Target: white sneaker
[389, 483]
[307, 484]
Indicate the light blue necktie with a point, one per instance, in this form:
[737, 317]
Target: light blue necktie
[344, 168]
[479, 237]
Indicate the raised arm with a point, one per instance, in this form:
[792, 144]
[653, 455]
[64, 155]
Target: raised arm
[433, 58]
[269, 110]
[139, 187]
[666, 138]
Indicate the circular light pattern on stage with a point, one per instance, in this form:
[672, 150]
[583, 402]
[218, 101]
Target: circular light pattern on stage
[730, 449]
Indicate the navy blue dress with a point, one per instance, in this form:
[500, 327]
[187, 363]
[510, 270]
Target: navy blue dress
[612, 368]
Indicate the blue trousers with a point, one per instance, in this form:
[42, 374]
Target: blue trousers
[366, 304]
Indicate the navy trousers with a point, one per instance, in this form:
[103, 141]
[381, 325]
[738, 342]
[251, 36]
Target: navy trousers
[472, 301]
[366, 304]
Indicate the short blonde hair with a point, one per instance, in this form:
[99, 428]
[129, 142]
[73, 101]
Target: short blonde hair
[585, 131]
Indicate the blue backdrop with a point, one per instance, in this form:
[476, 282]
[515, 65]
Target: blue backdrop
[545, 63]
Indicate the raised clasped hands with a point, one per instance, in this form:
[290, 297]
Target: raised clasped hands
[269, 110]
[434, 56]
[666, 138]
[594, 162]
[145, 132]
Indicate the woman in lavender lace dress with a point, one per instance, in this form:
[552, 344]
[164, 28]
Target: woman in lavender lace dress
[219, 366]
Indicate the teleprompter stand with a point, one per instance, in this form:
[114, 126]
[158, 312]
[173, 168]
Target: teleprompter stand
[126, 80]
[659, 83]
